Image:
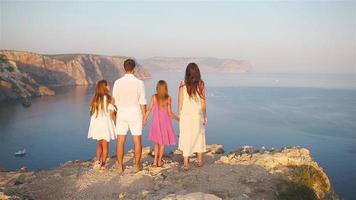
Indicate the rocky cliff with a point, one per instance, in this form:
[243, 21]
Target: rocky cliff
[68, 69]
[15, 84]
[289, 173]
[179, 64]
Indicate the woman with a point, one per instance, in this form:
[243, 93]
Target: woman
[193, 117]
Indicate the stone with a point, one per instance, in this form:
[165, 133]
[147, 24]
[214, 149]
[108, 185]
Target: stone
[192, 196]
[215, 148]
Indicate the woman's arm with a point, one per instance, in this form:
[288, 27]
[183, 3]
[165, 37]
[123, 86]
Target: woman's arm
[203, 103]
[170, 112]
[149, 109]
[180, 97]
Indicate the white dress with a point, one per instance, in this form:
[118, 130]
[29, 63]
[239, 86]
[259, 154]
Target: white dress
[191, 126]
[101, 126]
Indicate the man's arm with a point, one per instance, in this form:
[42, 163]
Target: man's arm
[115, 93]
[142, 99]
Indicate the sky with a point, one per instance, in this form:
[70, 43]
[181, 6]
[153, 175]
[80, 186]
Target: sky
[274, 36]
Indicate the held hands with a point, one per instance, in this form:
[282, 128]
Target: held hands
[144, 121]
[205, 120]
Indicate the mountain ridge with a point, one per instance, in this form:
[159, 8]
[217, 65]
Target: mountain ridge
[62, 70]
[206, 64]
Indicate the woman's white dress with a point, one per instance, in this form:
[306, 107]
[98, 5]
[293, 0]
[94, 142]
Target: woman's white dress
[191, 126]
[101, 126]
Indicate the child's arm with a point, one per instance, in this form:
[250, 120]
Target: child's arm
[113, 112]
[149, 110]
[170, 112]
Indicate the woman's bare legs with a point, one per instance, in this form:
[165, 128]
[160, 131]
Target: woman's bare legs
[161, 153]
[156, 150]
[99, 152]
[186, 162]
[200, 159]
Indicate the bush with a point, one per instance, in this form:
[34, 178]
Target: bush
[295, 191]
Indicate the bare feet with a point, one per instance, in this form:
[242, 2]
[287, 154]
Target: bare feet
[103, 167]
[161, 163]
[154, 164]
[199, 163]
[96, 165]
[120, 168]
[138, 168]
[185, 167]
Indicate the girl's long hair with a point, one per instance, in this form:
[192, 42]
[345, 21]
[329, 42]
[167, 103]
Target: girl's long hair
[97, 103]
[161, 92]
[193, 82]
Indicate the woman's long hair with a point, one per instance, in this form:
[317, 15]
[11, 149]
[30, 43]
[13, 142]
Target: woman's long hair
[161, 92]
[97, 103]
[193, 82]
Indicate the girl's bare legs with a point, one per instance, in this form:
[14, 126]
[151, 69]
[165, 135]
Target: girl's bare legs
[105, 146]
[156, 150]
[99, 151]
[161, 153]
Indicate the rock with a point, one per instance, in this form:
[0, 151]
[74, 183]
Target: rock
[17, 84]
[215, 148]
[192, 196]
[285, 161]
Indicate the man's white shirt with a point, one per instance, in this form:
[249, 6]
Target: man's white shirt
[129, 95]
[129, 91]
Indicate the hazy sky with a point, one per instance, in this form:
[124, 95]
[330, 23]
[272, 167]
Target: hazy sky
[288, 36]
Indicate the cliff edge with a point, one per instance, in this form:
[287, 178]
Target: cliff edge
[289, 173]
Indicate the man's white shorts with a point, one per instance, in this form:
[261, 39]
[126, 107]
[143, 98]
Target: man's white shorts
[129, 119]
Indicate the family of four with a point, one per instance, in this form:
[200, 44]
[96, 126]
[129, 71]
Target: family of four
[113, 116]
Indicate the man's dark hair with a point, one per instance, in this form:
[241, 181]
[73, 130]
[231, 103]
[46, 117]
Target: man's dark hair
[129, 65]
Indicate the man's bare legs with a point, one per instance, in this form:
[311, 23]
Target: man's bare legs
[120, 152]
[138, 151]
[120, 149]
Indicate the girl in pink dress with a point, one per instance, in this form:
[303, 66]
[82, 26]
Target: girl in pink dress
[161, 131]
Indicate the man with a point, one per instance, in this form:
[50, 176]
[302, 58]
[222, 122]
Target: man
[129, 94]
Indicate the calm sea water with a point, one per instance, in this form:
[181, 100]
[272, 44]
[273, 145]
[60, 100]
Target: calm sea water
[316, 112]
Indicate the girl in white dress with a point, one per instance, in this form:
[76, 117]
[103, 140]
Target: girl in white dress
[102, 127]
[193, 117]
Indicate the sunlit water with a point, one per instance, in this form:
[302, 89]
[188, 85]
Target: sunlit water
[257, 110]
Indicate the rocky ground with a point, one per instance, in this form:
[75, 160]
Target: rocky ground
[289, 173]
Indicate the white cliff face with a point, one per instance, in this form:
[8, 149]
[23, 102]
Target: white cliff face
[236, 178]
